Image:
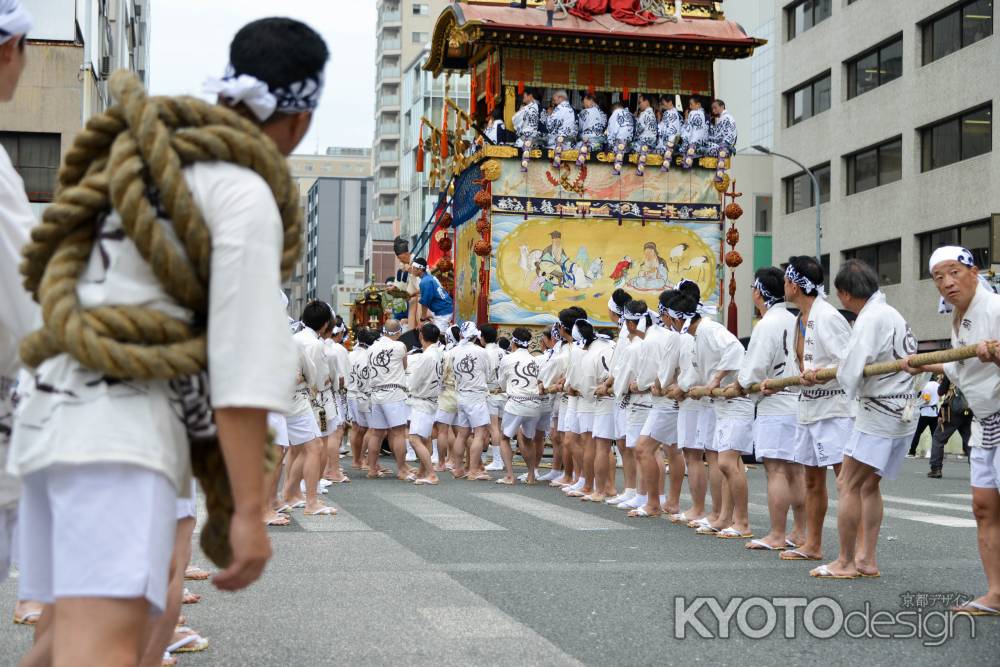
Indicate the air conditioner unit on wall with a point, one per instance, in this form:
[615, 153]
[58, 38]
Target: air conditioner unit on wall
[105, 66]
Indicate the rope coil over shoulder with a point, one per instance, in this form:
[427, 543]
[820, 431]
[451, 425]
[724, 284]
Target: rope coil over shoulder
[143, 143]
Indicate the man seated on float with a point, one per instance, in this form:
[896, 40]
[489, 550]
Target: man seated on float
[561, 121]
[527, 119]
[721, 131]
[694, 131]
[621, 126]
[645, 132]
[669, 126]
[593, 123]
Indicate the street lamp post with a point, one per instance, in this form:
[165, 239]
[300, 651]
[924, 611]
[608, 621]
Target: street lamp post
[815, 183]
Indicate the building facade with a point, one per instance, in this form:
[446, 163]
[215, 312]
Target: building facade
[348, 165]
[336, 210]
[74, 48]
[423, 96]
[891, 106]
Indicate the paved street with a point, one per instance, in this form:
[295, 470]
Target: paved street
[472, 573]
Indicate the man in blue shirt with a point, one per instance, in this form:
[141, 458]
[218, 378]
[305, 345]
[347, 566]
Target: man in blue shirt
[435, 303]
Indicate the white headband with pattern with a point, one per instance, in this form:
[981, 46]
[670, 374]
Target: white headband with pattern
[296, 97]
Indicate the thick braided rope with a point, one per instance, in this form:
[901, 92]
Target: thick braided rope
[142, 142]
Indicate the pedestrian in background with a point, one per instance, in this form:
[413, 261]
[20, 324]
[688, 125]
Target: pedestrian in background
[955, 415]
[928, 403]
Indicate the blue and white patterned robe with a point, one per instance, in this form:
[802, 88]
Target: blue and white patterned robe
[621, 127]
[526, 123]
[645, 134]
[721, 133]
[669, 126]
[593, 123]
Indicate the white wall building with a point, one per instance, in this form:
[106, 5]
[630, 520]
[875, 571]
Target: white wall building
[891, 104]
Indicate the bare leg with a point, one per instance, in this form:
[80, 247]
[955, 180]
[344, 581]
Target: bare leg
[161, 628]
[293, 474]
[602, 468]
[697, 483]
[507, 453]
[423, 454]
[796, 474]
[443, 432]
[734, 472]
[849, 513]
[397, 443]
[816, 505]
[865, 557]
[610, 487]
[311, 472]
[986, 509]
[373, 441]
[333, 442]
[458, 451]
[650, 486]
[714, 486]
[99, 631]
[779, 496]
[587, 450]
[40, 654]
[628, 466]
[357, 438]
[675, 457]
[476, 453]
[529, 452]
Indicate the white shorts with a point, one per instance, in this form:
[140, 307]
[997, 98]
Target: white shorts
[8, 524]
[821, 443]
[584, 422]
[495, 402]
[544, 423]
[421, 424]
[605, 427]
[442, 322]
[187, 508]
[884, 454]
[472, 415]
[661, 425]
[734, 434]
[355, 413]
[443, 417]
[563, 402]
[276, 421]
[388, 415]
[100, 530]
[569, 423]
[621, 424]
[984, 465]
[774, 437]
[687, 429]
[302, 429]
[706, 429]
[528, 425]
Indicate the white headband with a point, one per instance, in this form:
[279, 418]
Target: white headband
[469, 331]
[14, 20]
[261, 100]
[521, 343]
[683, 315]
[953, 253]
[803, 282]
[769, 299]
[613, 307]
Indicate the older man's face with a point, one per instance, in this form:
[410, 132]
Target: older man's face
[956, 282]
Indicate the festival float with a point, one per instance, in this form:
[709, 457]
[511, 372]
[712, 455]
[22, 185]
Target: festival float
[520, 234]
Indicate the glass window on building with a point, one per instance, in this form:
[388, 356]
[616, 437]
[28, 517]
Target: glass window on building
[884, 257]
[976, 236]
[875, 67]
[874, 166]
[809, 99]
[958, 138]
[762, 214]
[421, 9]
[799, 190]
[805, 14]
[420, 37]
[35, 156]
[959, 26]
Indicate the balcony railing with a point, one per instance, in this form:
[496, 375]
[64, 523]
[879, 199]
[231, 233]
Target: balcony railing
[389, 45]
[387, 129]
[387, 211]
[389, 100]
[388, 156]
[388, 183]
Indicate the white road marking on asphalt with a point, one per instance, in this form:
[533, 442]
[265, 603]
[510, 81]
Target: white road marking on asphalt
[439, 514]
[923, 517]
[926, 503]
[343, 522]
[960, 496]
[567, 518]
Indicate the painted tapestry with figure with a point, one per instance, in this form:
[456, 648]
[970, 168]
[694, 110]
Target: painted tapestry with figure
[545, 264]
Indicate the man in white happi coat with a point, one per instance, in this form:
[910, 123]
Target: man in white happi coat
[561, 122]
[100, 482]
[18, 313]
[771, 355]
[338, 356]
[976, 321]
[621, 127]
[645, 125]
[885, 418]
[518, 375]
[670, 123]
[593, 122]
[470, 364]
[527, 120]
[387, 388]
[825, 420]
[424, 368]
[694, 130]
[359, 396]
[307, 425]
[721, 131]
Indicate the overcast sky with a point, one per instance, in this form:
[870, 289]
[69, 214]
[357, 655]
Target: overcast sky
[190, 41]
